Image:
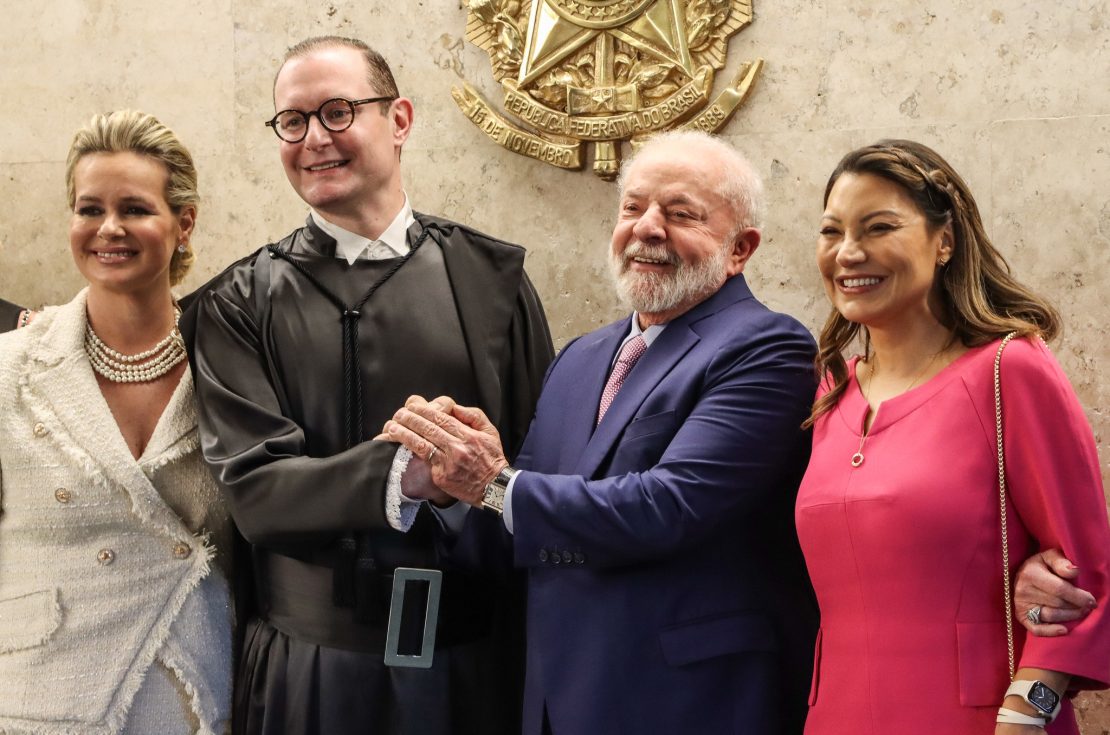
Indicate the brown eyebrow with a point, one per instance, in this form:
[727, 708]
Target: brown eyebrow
[880, 213]
[866, 217]
[125, 200]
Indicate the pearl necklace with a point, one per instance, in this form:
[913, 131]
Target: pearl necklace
[857, 458]
[143, 367]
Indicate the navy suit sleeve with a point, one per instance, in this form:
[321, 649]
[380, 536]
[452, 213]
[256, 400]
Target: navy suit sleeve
[729, 455]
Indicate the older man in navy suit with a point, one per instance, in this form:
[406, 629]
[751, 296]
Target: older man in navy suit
[652, 503]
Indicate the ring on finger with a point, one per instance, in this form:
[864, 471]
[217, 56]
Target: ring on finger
[432, 453]
[1033, 615]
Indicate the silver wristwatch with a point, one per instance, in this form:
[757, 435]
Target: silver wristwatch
[494, 496]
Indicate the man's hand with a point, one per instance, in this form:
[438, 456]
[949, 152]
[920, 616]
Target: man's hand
[461, 446]
[443, 403]
[416, 484]
[1041, 584]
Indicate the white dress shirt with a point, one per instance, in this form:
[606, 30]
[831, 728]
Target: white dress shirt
[351, 246]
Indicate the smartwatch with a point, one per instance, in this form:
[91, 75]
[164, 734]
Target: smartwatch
[1039, 695]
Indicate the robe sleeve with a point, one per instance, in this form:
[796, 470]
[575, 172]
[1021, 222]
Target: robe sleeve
[531, 353]
[1054, 482]
[279, 496]
[484, 544]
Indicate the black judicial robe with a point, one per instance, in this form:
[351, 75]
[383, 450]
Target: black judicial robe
[9, 315]
[460, 318]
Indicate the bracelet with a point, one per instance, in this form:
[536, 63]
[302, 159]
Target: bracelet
[24, 319]
[1008, 716]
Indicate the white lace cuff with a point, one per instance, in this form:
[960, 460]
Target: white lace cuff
[400, 512]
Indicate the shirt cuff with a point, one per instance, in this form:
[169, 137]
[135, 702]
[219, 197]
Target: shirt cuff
[507, 514]
[400, 512]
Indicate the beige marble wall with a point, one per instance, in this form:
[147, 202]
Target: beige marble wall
[1014, 93]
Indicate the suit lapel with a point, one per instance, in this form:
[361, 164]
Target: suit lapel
[175, 434]
[667, 349]
[61, 392]
[665, 352]
[593, 354]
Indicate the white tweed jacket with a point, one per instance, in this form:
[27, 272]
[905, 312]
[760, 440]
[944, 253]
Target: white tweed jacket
[101, 582]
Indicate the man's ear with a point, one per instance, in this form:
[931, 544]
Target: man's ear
[744, 246]
[400, 120]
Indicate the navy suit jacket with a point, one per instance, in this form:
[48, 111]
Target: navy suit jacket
[666, 590]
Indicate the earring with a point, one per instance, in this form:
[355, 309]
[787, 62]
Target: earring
[942, 262]
[181, 248]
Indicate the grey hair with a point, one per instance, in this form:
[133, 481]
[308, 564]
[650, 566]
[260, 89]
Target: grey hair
[741, 184]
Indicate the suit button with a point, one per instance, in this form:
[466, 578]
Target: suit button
[567, 557]
[105, 556]
[182, 550]
[543, 556]
[40, 430]
[62, 495]
[579, 557]
[556, 558]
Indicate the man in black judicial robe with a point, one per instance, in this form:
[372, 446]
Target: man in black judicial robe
[9, 315]
[301, 352]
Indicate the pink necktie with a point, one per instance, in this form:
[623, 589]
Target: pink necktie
[632, 351]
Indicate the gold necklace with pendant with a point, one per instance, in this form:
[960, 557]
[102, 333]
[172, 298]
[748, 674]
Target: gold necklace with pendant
[857, 458]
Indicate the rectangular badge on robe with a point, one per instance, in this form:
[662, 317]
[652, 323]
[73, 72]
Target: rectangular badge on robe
[402, 577]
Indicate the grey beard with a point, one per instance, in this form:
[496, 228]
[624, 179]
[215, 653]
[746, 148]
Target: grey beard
[651, 293]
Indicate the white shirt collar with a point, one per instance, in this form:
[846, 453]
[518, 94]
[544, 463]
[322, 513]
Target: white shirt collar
[649, 334]
[351, 246]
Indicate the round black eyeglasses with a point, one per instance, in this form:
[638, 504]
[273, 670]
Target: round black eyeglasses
[336, 115]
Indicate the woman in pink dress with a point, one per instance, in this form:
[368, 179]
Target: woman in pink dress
[898, 512]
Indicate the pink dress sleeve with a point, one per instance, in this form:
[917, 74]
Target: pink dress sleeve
[1055, 485]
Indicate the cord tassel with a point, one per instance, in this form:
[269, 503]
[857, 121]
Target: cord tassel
[355, 577]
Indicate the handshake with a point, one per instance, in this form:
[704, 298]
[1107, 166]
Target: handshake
[456, 450]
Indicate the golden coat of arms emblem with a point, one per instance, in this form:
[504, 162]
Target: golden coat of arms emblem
[579, 72]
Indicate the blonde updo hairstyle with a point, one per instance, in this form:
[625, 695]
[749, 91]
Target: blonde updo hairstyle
[980, 298]
[131, 131]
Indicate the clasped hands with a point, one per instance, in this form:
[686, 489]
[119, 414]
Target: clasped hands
[456, 450]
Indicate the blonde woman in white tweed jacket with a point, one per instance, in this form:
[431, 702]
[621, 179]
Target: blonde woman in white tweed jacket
[115, 614]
